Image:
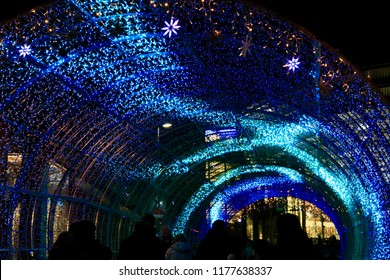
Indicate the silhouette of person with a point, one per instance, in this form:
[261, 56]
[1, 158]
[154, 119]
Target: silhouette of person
[86, 247]
[262, 249]
[142, 244]
[79, 243]
[180, 249]
[61, 249]
[293, 242]
[150, 219]
[166, 237]
[215, 245]
[237, 245]
[332, 246]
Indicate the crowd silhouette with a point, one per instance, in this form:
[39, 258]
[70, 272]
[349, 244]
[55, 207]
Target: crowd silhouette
[293, 242]
[166, 237]
[79, 243]
[216, 245]
[180, 249]
[143, 243]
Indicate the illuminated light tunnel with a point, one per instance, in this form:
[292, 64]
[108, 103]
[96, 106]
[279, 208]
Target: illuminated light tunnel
[259, 108]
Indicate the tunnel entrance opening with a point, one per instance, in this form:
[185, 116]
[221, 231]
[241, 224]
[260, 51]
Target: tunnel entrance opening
[258, 221]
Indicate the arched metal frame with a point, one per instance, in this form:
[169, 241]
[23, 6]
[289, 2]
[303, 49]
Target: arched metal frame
[86, 87]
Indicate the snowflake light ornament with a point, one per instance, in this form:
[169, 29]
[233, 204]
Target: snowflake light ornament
[171, 27]
[25, 50]
[245, 46]
[292, 64]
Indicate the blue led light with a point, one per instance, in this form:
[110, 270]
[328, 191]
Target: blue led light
[88, 84]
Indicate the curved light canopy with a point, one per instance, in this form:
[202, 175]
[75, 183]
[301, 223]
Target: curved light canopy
[257, 107]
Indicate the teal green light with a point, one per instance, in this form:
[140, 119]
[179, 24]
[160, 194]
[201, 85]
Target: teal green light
[285, 136]
[265, 134]
[206, 189]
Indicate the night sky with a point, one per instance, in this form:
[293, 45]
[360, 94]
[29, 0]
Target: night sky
[359, 31]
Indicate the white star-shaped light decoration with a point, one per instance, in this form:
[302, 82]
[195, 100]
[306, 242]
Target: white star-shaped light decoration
[245, 45]
[25, 50]
[292, 64]
[171, 27]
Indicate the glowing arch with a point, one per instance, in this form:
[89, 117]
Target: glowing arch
[86, 86]
[349, 191]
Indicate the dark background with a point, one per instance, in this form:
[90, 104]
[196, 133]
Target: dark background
[359, 31]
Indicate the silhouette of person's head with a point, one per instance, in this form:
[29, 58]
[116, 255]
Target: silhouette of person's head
[84, 243]
[288, 224]
[293, 242]
[62, 238]
[60, 249]
[142, 228]
[218, 227]
[83, 230]
[149, 218]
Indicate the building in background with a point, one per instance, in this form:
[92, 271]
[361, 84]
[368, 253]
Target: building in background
[380, 77]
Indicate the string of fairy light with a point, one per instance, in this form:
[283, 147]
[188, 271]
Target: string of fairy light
[126, 67]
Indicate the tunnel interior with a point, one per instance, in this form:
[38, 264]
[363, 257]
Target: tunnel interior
[257, 107]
